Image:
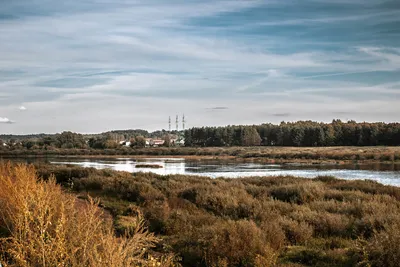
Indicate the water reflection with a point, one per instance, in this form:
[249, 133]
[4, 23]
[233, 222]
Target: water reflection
[168, 166]
[383, 173]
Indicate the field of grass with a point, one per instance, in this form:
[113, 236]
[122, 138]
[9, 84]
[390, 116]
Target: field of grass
[260, 153]
[263, 221]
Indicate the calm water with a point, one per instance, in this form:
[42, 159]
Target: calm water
[387, 174]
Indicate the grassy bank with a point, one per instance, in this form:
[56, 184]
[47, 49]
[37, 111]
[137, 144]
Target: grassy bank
[264, 221]
[267, 154]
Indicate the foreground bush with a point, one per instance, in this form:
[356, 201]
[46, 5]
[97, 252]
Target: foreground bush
[43, 226]
[384, 249]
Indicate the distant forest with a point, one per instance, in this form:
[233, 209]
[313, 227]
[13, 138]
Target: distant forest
[124, 134]
[299, 134]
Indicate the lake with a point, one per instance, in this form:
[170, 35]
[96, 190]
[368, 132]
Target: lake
[388, 174]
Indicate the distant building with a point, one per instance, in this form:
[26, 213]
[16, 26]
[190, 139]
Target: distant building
[148, 141]
[157, 142]
[125, 143]
[181, 142]
[152, 142]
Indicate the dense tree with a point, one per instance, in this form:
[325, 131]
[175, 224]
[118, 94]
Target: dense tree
[132, 142]
[140, 141]
[70, 140]
[28, 144]
[301, 133]
[297, 135]
[188, 138]
[167, 140]
[103, 142]
[251, 137]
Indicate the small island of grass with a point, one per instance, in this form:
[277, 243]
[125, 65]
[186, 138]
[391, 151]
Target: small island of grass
[149, 166]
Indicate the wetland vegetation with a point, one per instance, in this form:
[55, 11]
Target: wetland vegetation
[258, 221]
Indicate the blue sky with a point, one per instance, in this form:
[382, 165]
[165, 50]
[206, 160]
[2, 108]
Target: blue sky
[95, 65]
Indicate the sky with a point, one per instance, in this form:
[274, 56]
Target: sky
[94, 65]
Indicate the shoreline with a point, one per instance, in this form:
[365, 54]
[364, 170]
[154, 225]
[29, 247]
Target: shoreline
[271, 155]
[207, 158]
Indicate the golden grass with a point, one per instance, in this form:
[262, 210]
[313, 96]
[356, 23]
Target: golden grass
[43, 226]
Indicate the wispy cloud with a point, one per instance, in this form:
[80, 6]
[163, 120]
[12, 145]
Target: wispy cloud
[269, 74]
[383, 16]
[219, 108]
[337, 74]
[281, 114]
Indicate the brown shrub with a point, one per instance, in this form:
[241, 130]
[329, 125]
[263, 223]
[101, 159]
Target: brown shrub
[223, 199]
[346, 196]
[384, 250]
[239, 242]
[369, 187]
[330, 224]
[299, 193]
[296, 232]
[273, 234]
[334, 206]
[183, 222]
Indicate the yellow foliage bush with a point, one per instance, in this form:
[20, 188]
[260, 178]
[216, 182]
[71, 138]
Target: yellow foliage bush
[41, 225]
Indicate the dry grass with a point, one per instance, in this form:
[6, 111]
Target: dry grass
[43, 226]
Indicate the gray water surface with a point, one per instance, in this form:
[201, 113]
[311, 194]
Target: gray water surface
[388, 174]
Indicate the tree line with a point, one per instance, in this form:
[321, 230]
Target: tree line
[299, 134]
[71, 140]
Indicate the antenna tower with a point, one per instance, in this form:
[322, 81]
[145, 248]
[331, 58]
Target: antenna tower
[183, 122]
[169, 123]
[177, 123]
